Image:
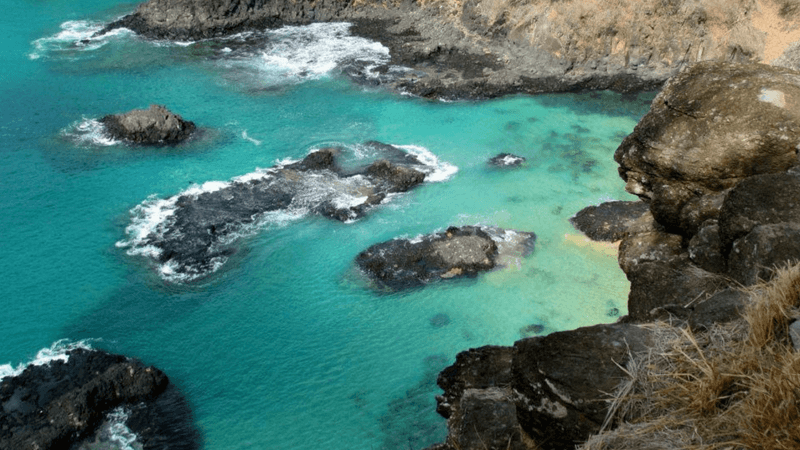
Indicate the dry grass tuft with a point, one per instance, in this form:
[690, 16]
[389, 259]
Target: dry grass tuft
[736, 386]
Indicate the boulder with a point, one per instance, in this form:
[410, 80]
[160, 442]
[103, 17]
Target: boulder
[608, 221]
[755, 256]
[646, 241]
[659, 286]
[457, 252]
[759, 200]
[395, 178]
[712, 125]
[153, 126]
[61, 404]
[562, 381]
[506, 160]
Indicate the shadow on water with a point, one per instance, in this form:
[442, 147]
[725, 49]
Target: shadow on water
[608, 103]
[411, 421]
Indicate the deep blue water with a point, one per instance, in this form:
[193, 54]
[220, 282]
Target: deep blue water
[285, 346]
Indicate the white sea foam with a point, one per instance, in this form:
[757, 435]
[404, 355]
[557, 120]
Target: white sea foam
[89, 132]
[151, 219]
[114, 434]
[56, 352]
[297, 53]
[248, 138]
[75, 35]
[435, 171]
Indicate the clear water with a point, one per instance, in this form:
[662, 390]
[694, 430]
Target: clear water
[285, 347]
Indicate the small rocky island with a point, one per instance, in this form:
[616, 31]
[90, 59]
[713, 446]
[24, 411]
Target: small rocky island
[153, 126]
[457, 252]
[62, 404]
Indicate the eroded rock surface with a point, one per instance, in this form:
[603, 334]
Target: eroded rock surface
[61, 404]
[153, 126]
[457, 252]
[712, 126]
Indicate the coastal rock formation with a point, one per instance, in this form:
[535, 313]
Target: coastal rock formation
[153, 126]
[61, 404]
[486, 48]
[198, 227]
[457, 252]
[712, 126]
[715, 163]
[548, 391]
[506, 160]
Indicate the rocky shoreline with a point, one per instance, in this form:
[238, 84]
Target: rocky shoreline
[716, 163]
[488, 48]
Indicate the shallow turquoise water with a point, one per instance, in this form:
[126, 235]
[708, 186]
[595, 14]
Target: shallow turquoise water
[285, 347]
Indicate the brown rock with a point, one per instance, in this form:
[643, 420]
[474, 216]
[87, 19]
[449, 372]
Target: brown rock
[711, 126]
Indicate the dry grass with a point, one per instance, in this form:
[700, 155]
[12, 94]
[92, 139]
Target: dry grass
[736, 386]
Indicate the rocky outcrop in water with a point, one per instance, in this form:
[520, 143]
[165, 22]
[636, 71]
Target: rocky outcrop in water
[608, 221]
[153, 126]
[61, 404]
[506, 160]
[457, 252]
[198, 227]
[486, 48]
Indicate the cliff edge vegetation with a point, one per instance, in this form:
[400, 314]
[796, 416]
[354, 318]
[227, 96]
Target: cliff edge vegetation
[736, 385]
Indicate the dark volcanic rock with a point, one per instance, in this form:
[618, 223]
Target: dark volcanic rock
[711, 126]
[478, 401]
[657, 285]
[561, 381]
[608, 221]
[759, 200]
[197, 228]
[457, 252]
[153, 126]
[62, 403]
[767, 247]
[506, 160]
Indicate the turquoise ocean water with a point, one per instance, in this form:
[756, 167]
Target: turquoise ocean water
[285, 346]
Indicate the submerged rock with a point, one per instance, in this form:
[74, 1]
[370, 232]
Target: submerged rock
[506, 160]
[457, 252]
[61, 404]
[153, 126]
[194, 231]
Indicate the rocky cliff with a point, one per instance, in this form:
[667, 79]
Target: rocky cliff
[715, 162]
[485, 48]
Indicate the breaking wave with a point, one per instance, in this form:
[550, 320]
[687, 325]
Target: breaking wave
[56, 352]
[75, 36]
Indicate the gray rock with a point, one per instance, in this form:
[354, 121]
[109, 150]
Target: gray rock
[153, 126]
[457, 252]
